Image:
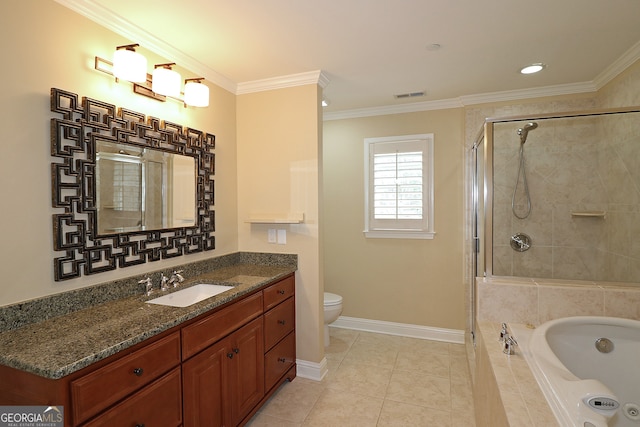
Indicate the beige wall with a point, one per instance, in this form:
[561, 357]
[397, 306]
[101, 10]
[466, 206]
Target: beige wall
[45, 45]
[417, 282]
[279, 142]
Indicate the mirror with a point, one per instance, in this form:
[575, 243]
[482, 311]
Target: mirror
[141, 189]
[128, 188]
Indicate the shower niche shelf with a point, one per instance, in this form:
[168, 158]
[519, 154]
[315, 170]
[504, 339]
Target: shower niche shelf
[589, 214]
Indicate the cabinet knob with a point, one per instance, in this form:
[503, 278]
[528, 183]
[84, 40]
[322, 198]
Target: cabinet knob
[281, 322]
[138, 372]
[281, 292]
[236, 350]
[282, 359]
[230, 355]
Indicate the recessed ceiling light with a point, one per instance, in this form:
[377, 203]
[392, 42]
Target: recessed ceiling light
[533, 68]
[434, 46]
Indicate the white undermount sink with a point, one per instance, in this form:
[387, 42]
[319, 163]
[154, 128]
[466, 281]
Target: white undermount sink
[190, 295]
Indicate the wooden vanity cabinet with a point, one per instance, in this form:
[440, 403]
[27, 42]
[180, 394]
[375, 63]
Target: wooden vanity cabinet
[279, 334]
[207, 372]
[224, 383]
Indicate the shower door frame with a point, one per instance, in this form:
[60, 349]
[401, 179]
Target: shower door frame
[486, 136]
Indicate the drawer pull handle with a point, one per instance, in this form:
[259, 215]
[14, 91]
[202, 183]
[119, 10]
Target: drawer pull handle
[230, 355]
[139, 425]
[281, 292]
[281, 322]
[138, 372]
[282, 359]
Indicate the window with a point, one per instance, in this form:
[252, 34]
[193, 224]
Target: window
[399, 187]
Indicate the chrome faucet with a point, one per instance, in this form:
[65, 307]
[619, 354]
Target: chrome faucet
[504, 333]
[176, 278]
[509, 343]
[148, 285]
[164, 282]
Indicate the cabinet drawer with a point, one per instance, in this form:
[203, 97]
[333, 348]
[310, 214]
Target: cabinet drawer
[158, 404]
[207, 331]
[279, 359]
[278, 322]
[278, 292]
[103, 387]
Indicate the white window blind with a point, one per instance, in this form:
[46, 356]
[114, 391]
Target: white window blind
[399, 194]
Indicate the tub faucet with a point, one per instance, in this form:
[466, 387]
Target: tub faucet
[148, 285]
[509, 343]
[176, 278]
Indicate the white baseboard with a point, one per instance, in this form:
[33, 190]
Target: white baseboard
[311, 370]
[402, 329]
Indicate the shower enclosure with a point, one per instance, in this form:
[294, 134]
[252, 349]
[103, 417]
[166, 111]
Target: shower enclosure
[558, 197]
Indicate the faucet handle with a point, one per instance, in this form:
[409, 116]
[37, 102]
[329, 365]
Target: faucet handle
[148, 285]
[504, 333]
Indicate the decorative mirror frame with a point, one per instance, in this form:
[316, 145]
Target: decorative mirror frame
[73, 186]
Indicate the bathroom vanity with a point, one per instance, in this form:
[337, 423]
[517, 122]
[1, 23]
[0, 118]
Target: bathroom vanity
[216, 363]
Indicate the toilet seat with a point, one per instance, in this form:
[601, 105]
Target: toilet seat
[332, 299]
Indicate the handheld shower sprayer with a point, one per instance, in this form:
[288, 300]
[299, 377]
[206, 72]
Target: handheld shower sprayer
[524, 131]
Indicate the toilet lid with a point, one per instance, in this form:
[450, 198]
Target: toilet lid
[332, 299]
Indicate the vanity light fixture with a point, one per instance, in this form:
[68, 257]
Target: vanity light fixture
[129, 64]
[165, 81]
[533, 68]
[196, 93]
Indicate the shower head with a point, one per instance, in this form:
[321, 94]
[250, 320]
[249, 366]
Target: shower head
[525, 130]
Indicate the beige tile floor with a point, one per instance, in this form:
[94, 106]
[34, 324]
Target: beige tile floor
[378, 380]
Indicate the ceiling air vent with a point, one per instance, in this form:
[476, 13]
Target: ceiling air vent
[409, 95]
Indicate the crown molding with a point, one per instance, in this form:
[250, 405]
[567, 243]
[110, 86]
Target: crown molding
[463, 101]
[393, 109]
[114, 22]
[625, 61]
[312, 77]
[539, 92]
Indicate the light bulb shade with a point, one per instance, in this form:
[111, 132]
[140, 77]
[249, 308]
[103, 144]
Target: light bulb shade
[129, 65]
[196, 94]
[166, 82]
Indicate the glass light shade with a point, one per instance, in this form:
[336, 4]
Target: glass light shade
[129, 65]
[166, 82]
[196, 94]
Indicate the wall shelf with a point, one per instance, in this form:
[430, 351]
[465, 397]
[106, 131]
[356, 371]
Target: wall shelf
[589, 214]
[290, 218]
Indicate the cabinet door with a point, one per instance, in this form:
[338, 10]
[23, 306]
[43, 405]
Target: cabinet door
[204, 387]
[246, 369]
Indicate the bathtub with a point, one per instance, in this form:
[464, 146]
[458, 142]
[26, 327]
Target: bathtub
[588, 369]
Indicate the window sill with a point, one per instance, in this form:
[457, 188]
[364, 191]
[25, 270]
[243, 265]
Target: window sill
[399, 234]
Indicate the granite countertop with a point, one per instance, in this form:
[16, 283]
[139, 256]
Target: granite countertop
[59, 346]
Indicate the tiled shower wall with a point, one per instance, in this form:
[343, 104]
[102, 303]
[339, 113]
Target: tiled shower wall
[580, 165]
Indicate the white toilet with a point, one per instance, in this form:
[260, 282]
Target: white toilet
[332, 310]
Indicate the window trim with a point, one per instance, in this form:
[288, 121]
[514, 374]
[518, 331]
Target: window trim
[428, 194]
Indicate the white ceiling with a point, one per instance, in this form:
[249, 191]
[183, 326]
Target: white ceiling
[372, 49]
